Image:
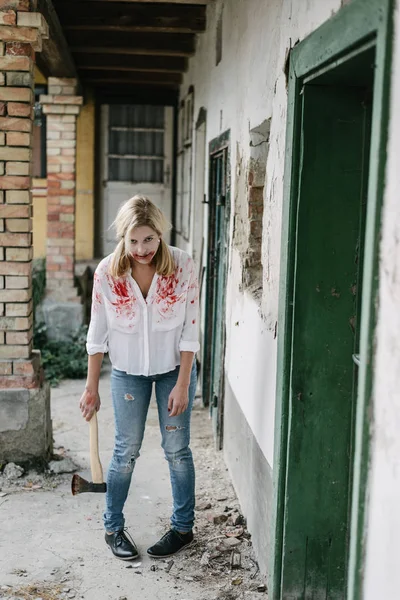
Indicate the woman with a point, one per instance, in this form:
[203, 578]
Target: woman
[144, 314]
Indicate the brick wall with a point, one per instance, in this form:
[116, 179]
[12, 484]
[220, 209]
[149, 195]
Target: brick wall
[252, 272]
[20, 35]
[249, 209]
[62, 107]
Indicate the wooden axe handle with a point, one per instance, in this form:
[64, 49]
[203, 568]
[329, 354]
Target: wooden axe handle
[95, 464]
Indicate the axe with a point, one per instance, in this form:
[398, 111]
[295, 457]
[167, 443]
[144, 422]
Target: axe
[80, 485]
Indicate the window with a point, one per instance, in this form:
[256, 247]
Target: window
[184, 170]
[136, 143]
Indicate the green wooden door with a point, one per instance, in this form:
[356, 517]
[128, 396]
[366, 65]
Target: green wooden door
[217, 346]
[335, 132]
[214, 346]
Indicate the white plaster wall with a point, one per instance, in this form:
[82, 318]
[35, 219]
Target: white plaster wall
[252, 369]
[247, 87]
[382, 572]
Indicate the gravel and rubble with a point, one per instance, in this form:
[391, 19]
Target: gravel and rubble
[15, 478]
[222, 557]
[219, 565]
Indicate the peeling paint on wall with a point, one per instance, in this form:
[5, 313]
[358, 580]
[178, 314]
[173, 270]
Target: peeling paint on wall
[249, 86]
[249, 208]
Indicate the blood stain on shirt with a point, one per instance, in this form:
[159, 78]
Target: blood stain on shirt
[124, 302]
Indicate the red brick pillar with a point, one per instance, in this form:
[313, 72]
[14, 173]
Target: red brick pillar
[62, 107]
[25, 427]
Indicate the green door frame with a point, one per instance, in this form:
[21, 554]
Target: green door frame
[357, 24]
[217, 146]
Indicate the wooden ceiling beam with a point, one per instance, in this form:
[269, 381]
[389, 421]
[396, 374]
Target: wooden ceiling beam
[123, 69]
[55, 59]
[196, 2]
[138, 82]
[119, 62]
[134, 29]
[123, 13]
[167, 44]
[129, 51]
[133, 77]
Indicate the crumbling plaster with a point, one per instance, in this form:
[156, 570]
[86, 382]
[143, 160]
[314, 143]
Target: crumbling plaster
[246, 88]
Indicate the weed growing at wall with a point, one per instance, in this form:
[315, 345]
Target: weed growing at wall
[38, 281]
[60, 360]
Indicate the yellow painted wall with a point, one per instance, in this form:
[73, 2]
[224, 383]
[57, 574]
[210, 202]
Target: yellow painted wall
[84, 232]
[39, 220]
[40, 79]
[85, 161]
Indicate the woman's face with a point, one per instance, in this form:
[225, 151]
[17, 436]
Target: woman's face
[143, 244]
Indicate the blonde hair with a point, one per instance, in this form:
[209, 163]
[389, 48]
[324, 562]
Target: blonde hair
[140, 211]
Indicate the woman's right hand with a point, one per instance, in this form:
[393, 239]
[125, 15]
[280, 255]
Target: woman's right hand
[89, 403]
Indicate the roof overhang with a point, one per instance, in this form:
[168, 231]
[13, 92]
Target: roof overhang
[123, 48]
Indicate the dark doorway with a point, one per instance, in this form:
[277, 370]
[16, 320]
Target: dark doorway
[335, 134]
[218, 244]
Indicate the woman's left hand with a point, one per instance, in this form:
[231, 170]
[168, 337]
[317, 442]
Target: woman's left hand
[178, 400]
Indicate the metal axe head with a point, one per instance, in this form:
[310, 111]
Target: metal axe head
[80, 485]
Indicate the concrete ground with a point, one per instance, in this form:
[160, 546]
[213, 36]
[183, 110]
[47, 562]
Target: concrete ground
[52, 543]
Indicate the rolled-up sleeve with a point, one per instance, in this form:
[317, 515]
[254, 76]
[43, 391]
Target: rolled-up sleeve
[189, 341]
[97, 337]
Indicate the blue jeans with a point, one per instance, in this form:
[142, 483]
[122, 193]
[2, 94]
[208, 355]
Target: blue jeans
[131, 398]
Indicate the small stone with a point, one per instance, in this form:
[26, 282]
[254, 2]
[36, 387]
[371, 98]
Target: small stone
[237, 581]
[228, 544]
[30, 486]
[153, 568]
[129, 567]
[236, 560]
[234, 531]
[169, 566]
[261, 588]
[205, 559]
[203, 506]
[66, 465]
[239, 520]
[19, 572]
[217, 519]
[12, 471]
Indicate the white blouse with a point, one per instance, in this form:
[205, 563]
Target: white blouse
[145, 336]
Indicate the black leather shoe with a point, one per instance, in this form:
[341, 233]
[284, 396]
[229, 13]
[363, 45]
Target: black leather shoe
[121, 546]
[170, 543]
